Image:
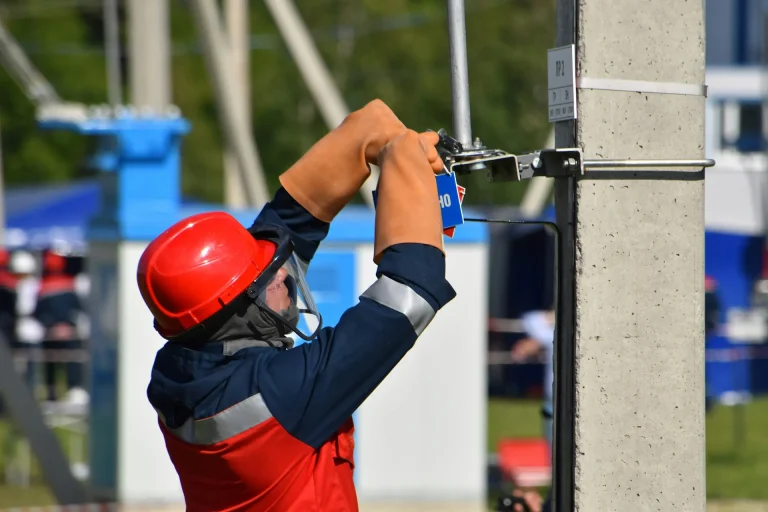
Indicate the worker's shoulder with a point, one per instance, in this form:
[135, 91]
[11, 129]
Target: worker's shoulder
[203, 381]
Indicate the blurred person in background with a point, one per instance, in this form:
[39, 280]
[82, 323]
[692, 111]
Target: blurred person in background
[711, 324]
[29, 332]
[7, 306]
[8, 299]
[229, 386]
[58, 310]
[539, 345]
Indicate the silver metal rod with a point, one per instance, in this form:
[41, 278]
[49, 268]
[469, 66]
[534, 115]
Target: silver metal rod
[457, 37]
[112, 42]
[615, 164]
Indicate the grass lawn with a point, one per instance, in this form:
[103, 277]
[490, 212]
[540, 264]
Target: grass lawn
[737, 444]
[737, 451]
[37, 494]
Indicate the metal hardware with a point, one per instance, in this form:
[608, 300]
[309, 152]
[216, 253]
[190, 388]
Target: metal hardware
[560, 162]
[648, 164]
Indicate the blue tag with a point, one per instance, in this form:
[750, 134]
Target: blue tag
[450, 205]
[448, 195]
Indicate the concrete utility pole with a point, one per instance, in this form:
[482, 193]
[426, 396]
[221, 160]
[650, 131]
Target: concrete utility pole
[236, 15]
[636, 272]
[150, 58]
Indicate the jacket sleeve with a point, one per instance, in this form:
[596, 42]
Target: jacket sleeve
[306, 231]
[314, 388]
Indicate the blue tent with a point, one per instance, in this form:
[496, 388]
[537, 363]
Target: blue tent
[54, 215]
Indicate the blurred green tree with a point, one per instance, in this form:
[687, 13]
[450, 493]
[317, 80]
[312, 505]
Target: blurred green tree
[396, 50]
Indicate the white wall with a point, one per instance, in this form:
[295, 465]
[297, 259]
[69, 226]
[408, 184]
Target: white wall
[145, 473]
[735, 191]
[422, 434]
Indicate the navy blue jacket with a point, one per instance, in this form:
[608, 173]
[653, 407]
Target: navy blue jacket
[312, 389]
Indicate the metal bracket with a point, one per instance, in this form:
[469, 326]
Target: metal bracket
[552, 163]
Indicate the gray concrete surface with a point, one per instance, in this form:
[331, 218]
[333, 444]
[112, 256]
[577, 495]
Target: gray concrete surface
[639, 341]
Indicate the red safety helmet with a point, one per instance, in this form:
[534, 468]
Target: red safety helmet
[54, 264]
[198, 266]
[5, 258]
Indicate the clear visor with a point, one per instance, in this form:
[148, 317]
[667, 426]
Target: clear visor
[288, 298]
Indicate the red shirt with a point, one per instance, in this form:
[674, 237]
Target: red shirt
[253, 464]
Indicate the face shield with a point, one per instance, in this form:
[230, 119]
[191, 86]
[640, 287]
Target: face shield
[282, 290]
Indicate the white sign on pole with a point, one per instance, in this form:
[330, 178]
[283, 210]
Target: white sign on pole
[561, 82]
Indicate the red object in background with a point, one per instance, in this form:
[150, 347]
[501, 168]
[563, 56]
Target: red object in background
[525, 461]
[710, 284]
[5, 259]
[53, 263]
[765, 263]
[7, 279]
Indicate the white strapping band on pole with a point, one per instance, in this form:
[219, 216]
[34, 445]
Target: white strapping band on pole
[316, 75]
[220, 68]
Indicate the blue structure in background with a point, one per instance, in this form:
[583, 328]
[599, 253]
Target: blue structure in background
[43, 216]
[735, 261]
[140, 157]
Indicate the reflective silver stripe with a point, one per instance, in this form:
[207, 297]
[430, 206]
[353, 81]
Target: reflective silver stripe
[228, 423]
[401, 298]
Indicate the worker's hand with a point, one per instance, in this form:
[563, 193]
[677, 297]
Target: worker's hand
[408, 210]
[532, 499]
[429, 142]
[382, 126]
[324, 180]
[377, 125]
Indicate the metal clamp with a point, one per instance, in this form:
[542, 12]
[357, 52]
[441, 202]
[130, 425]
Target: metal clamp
[552, 163]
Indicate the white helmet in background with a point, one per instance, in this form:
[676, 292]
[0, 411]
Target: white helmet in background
[22, 263]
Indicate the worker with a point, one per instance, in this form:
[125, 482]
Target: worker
[58, 310]
[29, 332]
[252, 423]
[8, 299]
[539, 325]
